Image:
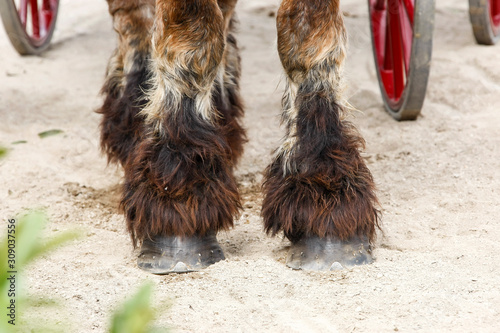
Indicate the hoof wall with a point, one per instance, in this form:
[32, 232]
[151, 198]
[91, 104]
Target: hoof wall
[327, 254]
[164, 255]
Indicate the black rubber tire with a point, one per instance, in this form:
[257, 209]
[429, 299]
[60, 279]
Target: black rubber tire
[479, 14]
[18, 36]
[412, 99]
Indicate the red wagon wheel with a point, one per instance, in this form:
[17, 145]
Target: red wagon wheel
[29, 23]
[402, 47]
[485, 19]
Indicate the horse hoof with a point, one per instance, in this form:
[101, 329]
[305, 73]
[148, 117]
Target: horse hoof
[327, 254]
[172, 254]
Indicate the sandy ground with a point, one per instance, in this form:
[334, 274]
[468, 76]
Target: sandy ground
[438, 180]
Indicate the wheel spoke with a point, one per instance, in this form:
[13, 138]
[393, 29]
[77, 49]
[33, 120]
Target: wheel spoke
[23, 12]
[380, 39]
[387, 71]
[409, 7]
[45, 17]
[396, 47]
[495, 7]
[406, 34]
[495, 12]
[35, 19]
[380, 5]
[379, 23]
[388, 63]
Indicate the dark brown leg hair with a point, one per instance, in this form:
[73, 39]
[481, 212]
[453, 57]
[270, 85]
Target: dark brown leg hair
[318, 184]
[226, 97]
[126, 78]
[179, 181]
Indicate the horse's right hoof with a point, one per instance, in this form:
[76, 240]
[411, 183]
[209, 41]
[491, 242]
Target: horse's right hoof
[324, 254]
[172, 254]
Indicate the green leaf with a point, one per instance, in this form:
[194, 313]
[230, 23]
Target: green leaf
[26, 242]
[48, 133]
[19, 142]
[3, 152]
[135, 314]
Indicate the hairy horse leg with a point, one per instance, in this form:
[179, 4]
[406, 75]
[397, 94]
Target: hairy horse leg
[126, 78]
[179, 190]
[226, 97]
[318, 190]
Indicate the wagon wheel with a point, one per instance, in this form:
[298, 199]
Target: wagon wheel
[29, 23]
[402, 46]
[485, 18]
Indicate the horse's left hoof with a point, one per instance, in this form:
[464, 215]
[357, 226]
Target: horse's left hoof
[327, 254]
[172, 254]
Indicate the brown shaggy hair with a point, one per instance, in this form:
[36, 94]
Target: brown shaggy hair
[227, 99]
[179, 179]
[126, 79]
[332, 192]
[180, 183]
[178, 164]
[121, 126]
[318, 185]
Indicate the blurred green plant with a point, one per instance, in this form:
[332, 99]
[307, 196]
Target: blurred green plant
[136, 314]
[24, 245]
[3, 152]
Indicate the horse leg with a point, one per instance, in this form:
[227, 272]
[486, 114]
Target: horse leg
[179, 190]
[318, 189]
[126, 78]
[226, 97]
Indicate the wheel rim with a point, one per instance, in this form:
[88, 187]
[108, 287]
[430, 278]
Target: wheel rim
[392, 26]
[37, 18]
[495, 15]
